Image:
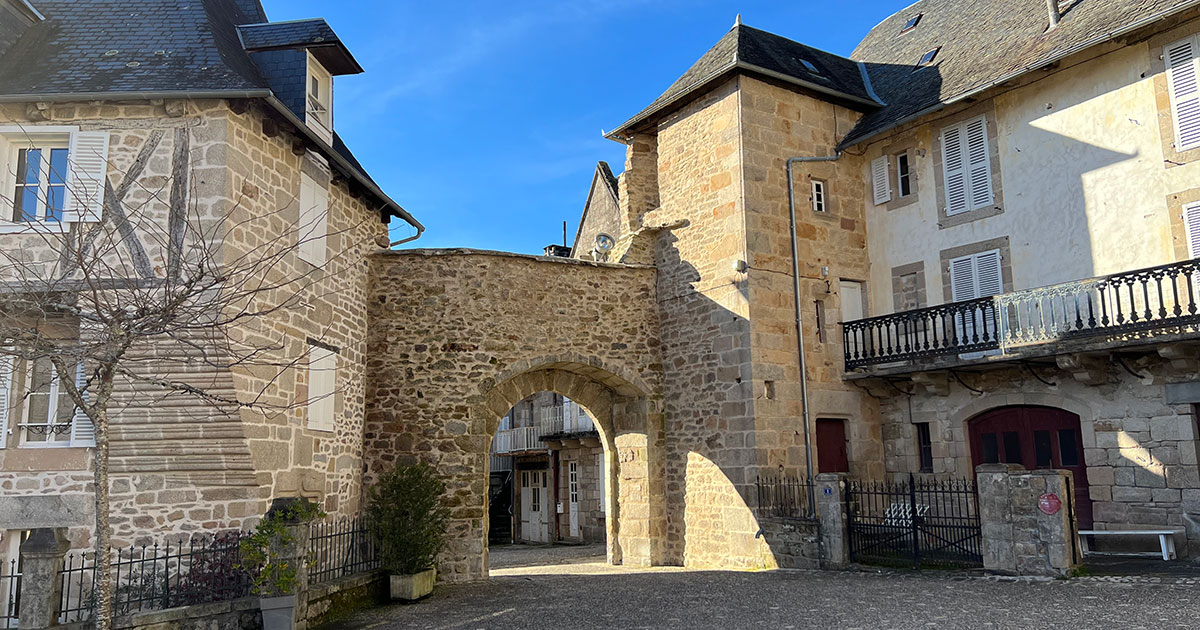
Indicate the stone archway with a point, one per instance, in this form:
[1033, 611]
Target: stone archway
[457, 337]
[620, 411]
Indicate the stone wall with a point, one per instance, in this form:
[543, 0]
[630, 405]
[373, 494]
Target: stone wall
[453, 344]
[777, 124]
[1140, 451]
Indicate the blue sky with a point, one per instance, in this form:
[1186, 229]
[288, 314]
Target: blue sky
[483, 119]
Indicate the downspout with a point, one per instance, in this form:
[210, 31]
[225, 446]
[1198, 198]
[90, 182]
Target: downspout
[420, 230]
[812, 500]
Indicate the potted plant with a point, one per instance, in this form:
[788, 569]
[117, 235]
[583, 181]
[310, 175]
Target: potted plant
[268, 556]
[410, 519]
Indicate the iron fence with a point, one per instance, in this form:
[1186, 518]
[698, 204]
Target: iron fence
[1133, 305]
[10, 594]
[918, 522]
[342, 547]
[785, 497]
[198, 570]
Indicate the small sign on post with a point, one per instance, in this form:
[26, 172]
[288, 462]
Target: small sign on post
[1049, 503]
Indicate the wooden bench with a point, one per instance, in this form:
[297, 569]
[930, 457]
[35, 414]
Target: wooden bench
[1166, 540]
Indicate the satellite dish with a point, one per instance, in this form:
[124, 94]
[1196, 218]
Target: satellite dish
[604, 242]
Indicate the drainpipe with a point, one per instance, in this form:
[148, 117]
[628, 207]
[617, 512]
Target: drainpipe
[812, 500]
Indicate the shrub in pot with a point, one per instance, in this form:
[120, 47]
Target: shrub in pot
[408, 514]
[268, 556]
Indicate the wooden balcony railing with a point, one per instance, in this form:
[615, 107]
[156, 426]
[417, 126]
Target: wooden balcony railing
[1128, 306]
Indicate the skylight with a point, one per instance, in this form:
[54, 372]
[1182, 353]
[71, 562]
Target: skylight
[809, 66]
[927, 58]
[911, 23]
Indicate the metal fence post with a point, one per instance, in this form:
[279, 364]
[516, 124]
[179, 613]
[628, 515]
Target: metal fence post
[41, 591]
[916, 537]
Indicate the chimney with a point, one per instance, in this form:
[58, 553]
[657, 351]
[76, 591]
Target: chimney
[1052, 7]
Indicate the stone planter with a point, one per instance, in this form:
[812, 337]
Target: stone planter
[278, 613]
[412, 587]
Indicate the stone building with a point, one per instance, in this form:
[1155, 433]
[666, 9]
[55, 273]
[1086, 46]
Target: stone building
[971, 241]
[194, 113]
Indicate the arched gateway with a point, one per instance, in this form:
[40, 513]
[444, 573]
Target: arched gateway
[458, 337]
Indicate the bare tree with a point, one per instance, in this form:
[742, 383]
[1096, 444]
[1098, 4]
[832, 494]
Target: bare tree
[122, 312]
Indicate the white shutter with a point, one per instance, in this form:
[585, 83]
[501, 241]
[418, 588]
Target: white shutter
[1191, 224]
[879, 180]
[322, 383]
[313, 221]
[1180, 59]
[962, 279]
[979, 164]
[987, 274]
[83, 432]
[88, 156]
[8, 178]
[953, 169]
[6, 368]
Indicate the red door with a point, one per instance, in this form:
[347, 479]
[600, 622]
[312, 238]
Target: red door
[831, 446]
[1034, 437]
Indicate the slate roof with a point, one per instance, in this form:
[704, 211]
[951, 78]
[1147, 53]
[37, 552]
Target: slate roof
[315, 34]
[982, 42]
[129, 48]
[610, 180]
[756, 50]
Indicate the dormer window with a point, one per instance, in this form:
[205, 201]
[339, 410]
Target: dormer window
[318, 108]
[911, 23]
[927, 58]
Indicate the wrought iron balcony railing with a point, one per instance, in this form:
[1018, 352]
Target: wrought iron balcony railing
[1128, 306]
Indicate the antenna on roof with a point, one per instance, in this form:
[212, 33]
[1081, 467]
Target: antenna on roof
[737, 21]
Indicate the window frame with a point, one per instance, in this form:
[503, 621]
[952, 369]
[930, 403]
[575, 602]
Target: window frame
[318, 108]
[903, 175]
[13, 139]
[54, 398]
[924, 439]
[963, 129]
[820, 196]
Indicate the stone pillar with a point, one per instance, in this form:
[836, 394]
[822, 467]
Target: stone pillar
[294, 552]
[831, 510]
[41, 590]
[1027, 520]
[638, 185]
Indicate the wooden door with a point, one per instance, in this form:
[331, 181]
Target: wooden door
[573, 497]
[527, 528]
[1034, 437]
[831, 446]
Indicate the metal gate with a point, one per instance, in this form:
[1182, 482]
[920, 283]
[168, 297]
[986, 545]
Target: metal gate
[917, 523]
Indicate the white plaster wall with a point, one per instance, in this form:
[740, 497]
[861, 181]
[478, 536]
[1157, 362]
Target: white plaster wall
[1083, 178]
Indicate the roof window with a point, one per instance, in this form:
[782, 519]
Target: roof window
[928, 57]
[809, 66]
[911, 23]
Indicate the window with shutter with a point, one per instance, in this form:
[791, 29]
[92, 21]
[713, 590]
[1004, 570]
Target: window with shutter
[966, 166]
[1180, 59]
[51, 176]
[83, 432]
[880, 185]
[88, 172]
[6, 371]
[322, 385]
[312, 229]
[1191, 226]
[972, 277]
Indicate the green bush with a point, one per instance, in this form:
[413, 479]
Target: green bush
[262, 552]
[407, 513]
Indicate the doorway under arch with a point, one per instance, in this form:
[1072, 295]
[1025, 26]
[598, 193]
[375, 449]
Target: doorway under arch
[1034, 437]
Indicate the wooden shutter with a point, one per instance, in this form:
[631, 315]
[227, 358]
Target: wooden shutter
[88, 155]
[979, 163]
[322, 383]
[879, 180]
[1180, 59]
[6, 369]
[83, 432]
[988, 278]
[954, 170]
[313, 222]
[963, 285]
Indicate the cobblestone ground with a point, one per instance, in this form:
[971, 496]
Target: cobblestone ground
[585, 593]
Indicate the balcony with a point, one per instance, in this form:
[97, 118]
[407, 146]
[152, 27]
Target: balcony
[1143, 307]
[518, 440]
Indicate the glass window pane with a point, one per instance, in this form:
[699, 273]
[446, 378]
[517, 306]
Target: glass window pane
[991, 453]
[55, 197]
[1041, 447]
[1012, 447]
[32, 159]
[1068, 448]
[58, 166]
[27, 204]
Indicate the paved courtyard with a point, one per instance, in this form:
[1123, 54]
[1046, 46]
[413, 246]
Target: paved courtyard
[583, 592]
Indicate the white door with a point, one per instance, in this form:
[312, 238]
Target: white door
[526, 496]
[573, 495]
[539, 507]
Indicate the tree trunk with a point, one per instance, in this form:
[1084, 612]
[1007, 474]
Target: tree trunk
[104, 586]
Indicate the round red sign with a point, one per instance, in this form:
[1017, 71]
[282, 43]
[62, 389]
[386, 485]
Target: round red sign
[1049, 503]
